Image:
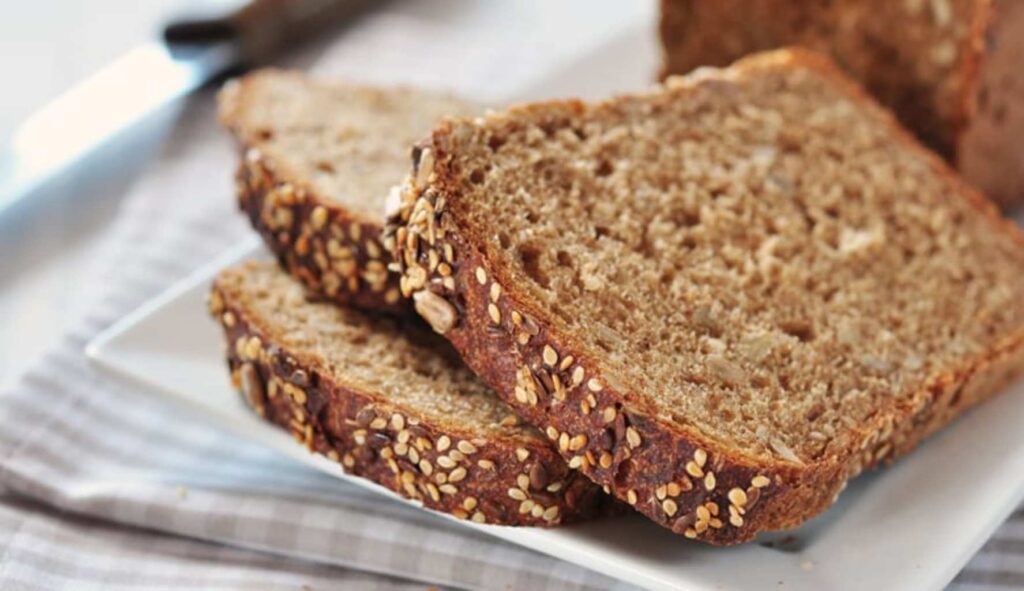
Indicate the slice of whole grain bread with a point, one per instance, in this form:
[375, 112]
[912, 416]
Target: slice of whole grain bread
[392, 403]
[319, 160]
[722, 299]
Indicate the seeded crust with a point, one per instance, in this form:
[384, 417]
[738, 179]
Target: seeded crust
[468, 464]
[948, 68]
[319, 160]
[698, 486]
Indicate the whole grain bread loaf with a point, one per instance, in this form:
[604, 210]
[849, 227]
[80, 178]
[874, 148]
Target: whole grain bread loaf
[722, 299]
[392, 403]
[950, 69]
[319, 160]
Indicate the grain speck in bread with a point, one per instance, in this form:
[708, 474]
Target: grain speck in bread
[950, 69]
[722, 299]
[391, 402]
[319, 160]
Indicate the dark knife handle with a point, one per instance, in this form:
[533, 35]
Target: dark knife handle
[261, 28]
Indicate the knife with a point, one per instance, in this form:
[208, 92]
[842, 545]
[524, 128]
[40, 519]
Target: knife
[194, 51]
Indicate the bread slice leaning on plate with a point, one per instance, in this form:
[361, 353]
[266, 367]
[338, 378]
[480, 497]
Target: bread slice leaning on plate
[721, 299]
[319, 159]
[391, 402]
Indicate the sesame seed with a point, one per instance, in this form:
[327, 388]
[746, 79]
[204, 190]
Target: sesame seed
[631, 497]
[564, 365]
[229, 319]
[456, 455]
[632, 437]
[577, 376]
[494, 313]
[700, 456]
[537, 510]
[414, 455]
[737, 497]
[760, 481]
[408, 477]
[522, 338]
[690, 533]
[253, 348]
[605, 460]
[466, 447]
[448, 489]
[378, 423]
[469, 503]
[551, 513]
[552, 433]
[670, 507]
[434, 493]
[709, 481]
[445, 462]
[319, 216]
[522, 453]
[523, 481]
[661, 492]
[401, 448]
[387, 453]
[554, 487]
[608, 414]
[703, 514]
[426, 467]
[578, 442]
[673, 489]
[517, 494]
[397, 422]
[694, 470]
[481, 275]
[457, 474]
[478, 517]
[595, 385]
[576, 462]
[495, 292]
[526, 506]
[563, 442]
[348, 460]
[443, 442]
[485, 464]
[550, 356]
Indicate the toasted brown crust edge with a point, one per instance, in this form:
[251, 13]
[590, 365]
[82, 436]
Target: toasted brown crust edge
[485, 481]
[655, 467]
[334, 255]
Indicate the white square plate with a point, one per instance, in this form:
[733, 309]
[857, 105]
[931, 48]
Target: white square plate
[913, 526]
[909, 527]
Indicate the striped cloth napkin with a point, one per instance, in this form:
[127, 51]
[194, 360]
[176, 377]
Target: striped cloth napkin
[102, 486]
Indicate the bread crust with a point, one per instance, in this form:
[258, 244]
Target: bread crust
[507, 481]
[672, 474]
[333, 253]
